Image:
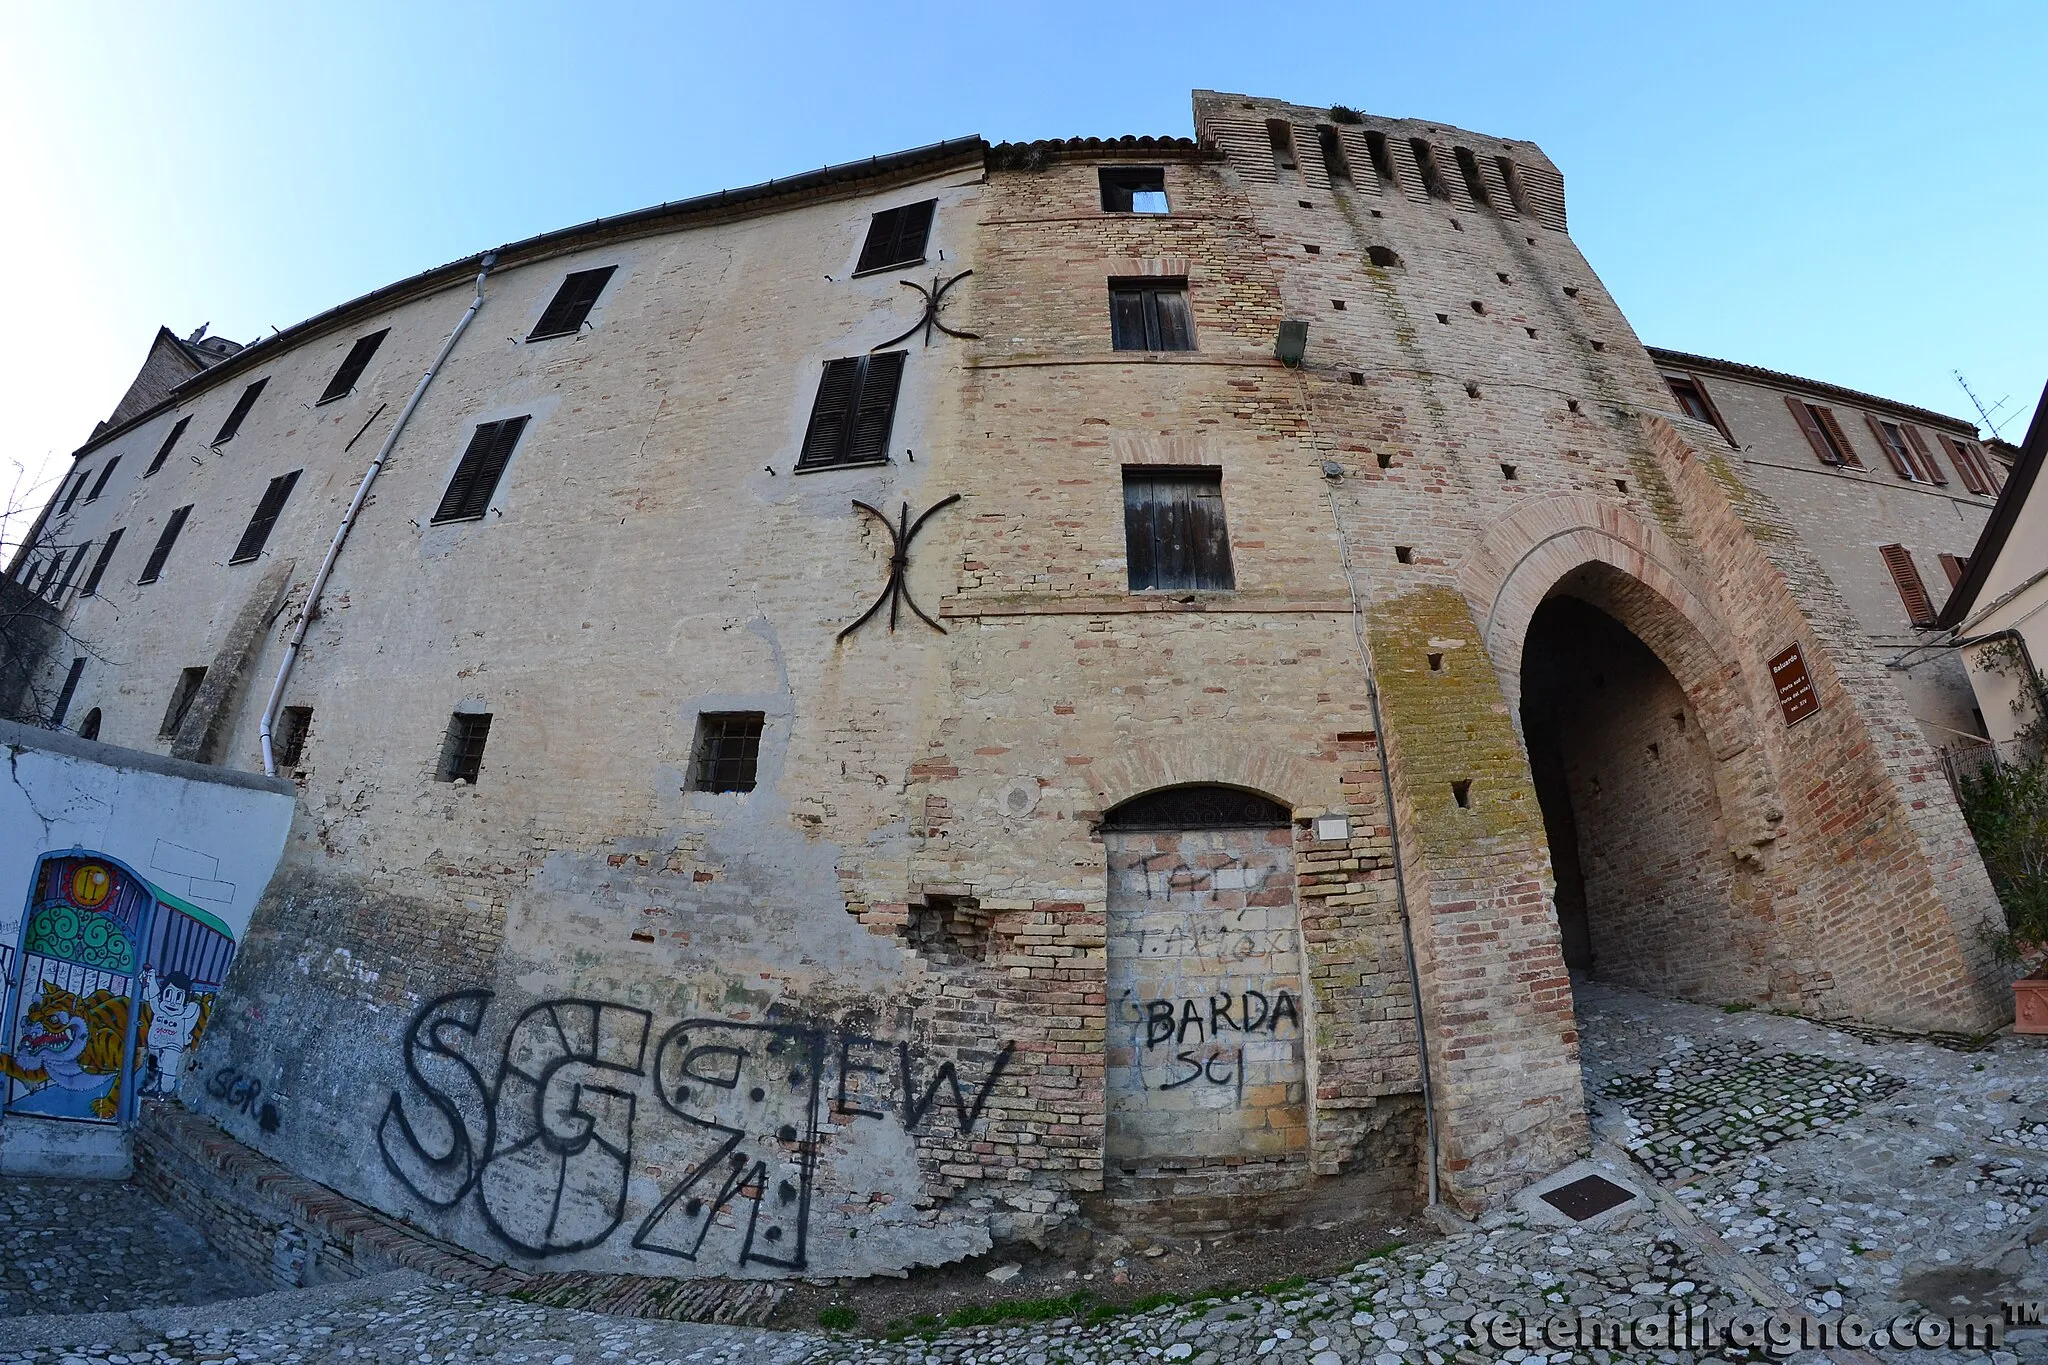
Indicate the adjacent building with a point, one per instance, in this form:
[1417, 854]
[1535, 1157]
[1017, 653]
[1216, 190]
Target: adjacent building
[910, 704]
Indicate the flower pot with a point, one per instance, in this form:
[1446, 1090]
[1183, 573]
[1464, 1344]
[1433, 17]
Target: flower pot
[2030, 1003]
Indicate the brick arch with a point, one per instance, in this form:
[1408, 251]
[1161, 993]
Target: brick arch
[1223, 759]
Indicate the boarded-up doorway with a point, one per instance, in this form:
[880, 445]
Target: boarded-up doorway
[1205, 1066]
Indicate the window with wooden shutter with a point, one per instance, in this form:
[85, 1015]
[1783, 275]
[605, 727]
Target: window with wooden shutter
[66, 692]
[63, 583]
[99, 566]
[1133, 189]
[100, 484]
[1150, 315]
[1903, 447]
[1823, 433]
[1694, 403]
[1970, 463]
[853, 412]
[267, 509]
[572, 303]
[896, 237]
[353, 365]
[240, 412]
[469, 492]
[153, 569]
[163, 452]
[84, 475]
[1923, 458]
[1906, 575]
[1955, 566]
[189, 683]
[1175, 536]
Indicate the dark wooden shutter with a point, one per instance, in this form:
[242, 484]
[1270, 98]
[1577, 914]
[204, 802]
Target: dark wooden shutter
[352, 367]
[70, 572]
[897, 237]
[1174, 530]
[1127, 320]
[65, 693]
[1955, 566]
[1699, 387]
[267, 509]
[164, 542]
[1924, 457]
[241, 411]
[99, 566]
[468, 495]
[1850, 459]
[1896, 452]
[1176, 330]
[76, 489]
[163, 452]
[831, 414]
[1912, 592]
[100, 485]
[572, 303]
[876, 412]
[1973, 478]
[1815, 437]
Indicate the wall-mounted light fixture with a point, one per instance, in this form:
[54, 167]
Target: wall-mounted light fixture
[1292, 343]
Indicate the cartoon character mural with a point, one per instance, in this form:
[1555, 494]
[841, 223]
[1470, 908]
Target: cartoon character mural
[113, 985]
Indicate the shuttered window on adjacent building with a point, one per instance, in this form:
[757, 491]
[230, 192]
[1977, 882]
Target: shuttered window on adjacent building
[476, 477]
[1694, 403]
[1823, 433]
[896, 237]
[1969, 460]
[99, 485]
[1955, 566]
[240, 413]
[352, 366]
[854, 411]
[267, 509]
[572, 303]
[1174, 531]
[1906, 575]
[1150, 315]
[99, 566]
[163, 452]
[1909, 455]
[154, 568]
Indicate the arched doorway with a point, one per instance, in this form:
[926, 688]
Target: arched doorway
[1648, 892]
[1205, 1071]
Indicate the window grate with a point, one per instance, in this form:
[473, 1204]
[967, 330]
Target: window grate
[1174, 531]
[1133, 189]
[462, 755]
[292, 724]
[854, 411]
[728, 751]
[99, 566]
[163, 452]
[572, 303]
[258, 530]
[352, 366]
[896, 237]
[241, 412]
[1150, 315]
[181, 700]
[152, 570]
[100, 485]
[469, 493]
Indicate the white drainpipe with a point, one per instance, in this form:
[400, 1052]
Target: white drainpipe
[348, 519]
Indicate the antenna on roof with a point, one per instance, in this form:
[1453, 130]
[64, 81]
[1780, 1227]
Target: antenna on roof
[1982, 411]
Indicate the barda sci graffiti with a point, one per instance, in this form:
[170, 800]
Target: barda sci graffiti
[544, 1149]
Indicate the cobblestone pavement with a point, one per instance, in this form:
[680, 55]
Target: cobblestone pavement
[1826, 1171]
[89, 1246]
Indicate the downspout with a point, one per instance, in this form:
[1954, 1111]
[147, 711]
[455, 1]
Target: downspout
[1372, 696]
[348, 520]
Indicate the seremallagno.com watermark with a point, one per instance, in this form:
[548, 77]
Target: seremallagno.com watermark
[1772, 1333]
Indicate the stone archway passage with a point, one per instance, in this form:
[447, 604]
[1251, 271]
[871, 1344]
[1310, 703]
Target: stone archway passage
[1205, 1061]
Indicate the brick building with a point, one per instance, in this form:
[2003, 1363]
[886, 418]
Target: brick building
[873, 713]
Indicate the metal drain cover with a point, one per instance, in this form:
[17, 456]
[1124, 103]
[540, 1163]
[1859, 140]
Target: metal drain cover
[1587, 1198]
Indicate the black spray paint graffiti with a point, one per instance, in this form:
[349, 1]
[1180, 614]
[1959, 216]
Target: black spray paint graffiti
[240, 1092]
[1169, 1025]
[547, 1145]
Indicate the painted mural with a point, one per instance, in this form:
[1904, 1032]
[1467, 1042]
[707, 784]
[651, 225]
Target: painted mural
[108, 990]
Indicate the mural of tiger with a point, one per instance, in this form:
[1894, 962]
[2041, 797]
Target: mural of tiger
[72, 1042]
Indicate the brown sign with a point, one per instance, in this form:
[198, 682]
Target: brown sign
[1795, 689]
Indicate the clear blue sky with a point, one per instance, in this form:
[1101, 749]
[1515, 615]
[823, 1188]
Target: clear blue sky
[1852, 191]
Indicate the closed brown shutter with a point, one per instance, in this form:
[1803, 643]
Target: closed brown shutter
[1955, 566]
[1803, 415]
[1901, 459]
[1970, 464]
[1929, 466]
[877, 410]
[1827, 419]
[1906, 575]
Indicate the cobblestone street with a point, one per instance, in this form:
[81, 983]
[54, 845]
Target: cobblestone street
[1803, 1168]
